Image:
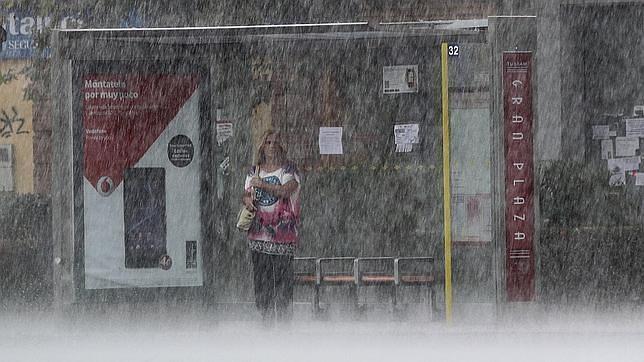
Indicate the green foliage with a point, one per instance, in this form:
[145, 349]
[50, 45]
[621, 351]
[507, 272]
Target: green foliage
[25, 249]
[599, 266]
[578, 194]
[590, 238]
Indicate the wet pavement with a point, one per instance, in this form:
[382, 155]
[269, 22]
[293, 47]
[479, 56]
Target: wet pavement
[42, 337]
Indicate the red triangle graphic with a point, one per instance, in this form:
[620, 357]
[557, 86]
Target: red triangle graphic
[123, 116]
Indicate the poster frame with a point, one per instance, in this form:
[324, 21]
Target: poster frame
[178, 66]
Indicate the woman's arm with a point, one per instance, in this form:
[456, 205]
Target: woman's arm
[281, 191]
[247, 199]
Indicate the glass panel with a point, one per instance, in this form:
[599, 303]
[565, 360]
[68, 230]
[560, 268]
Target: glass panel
[472, 251]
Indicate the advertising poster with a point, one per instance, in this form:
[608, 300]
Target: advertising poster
[141, 183]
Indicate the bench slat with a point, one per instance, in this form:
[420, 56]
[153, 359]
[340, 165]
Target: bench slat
[305, 279]
[339, 279]
[417, 279]
[377, 279]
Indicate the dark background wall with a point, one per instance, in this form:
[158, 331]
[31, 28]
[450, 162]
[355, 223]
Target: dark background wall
[371, 201]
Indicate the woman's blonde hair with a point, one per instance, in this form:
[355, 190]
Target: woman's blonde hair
[280, 155]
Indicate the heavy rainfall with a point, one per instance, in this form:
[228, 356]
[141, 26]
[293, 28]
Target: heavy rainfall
[364, 180]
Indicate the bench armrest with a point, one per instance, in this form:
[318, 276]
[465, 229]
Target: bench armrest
[423, 271]
[305, 269]
[346, 263]
[374, 270]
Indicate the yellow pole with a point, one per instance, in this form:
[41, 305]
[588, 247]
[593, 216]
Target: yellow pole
[447, 195]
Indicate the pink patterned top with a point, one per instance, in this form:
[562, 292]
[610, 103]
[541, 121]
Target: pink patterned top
[274, 230]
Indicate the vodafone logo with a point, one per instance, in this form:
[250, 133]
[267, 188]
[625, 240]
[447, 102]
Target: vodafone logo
[105, 186]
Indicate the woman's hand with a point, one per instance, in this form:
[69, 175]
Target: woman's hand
[256, 182]
[248, 202]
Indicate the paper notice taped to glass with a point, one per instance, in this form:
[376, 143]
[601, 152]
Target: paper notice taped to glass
[400, 79]
[618, 168]
[617, 178]
[601, 132]
[405, 135]
[607, 149]
[634, 127]
[626, 146]
[624, 163]
[224, 132]
[404, 147]
[330, 140]
[639, 179]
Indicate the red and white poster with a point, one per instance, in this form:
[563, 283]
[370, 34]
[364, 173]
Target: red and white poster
[519, 175]
[141, 181]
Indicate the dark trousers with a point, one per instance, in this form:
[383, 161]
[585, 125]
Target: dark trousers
[273, 279]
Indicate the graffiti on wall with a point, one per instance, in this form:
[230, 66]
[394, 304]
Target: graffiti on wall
[11, 124]
[7, 77]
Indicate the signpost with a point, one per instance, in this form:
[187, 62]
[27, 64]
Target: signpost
[519, 176]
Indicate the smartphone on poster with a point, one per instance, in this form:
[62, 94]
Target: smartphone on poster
[144, 214]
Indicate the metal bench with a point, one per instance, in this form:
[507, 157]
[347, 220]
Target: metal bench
[338, 271]
[365, 272]
[318, 272]
[416, 271]
[306, 273]
[376, 271]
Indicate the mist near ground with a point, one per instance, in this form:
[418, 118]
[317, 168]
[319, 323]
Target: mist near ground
[186, 336]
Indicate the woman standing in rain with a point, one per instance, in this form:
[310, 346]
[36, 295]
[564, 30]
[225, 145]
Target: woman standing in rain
[272, 190]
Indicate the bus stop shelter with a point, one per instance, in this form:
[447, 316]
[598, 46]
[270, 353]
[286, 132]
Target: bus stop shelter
[400, 132]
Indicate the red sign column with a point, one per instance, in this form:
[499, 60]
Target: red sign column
[519, 175]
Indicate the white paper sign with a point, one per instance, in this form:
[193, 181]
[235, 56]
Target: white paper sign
[404, 147]
[638, 111]
[224, 132]
[330, 140]
[631, 163]
[617, 179]
[404, 136]
[618, 168]
[400, 79]
[635, 127]
[607, 149]
[406, 133]
[626, 146]
[601, 132]
[617, 172]
[624, 164]
[639, 179]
